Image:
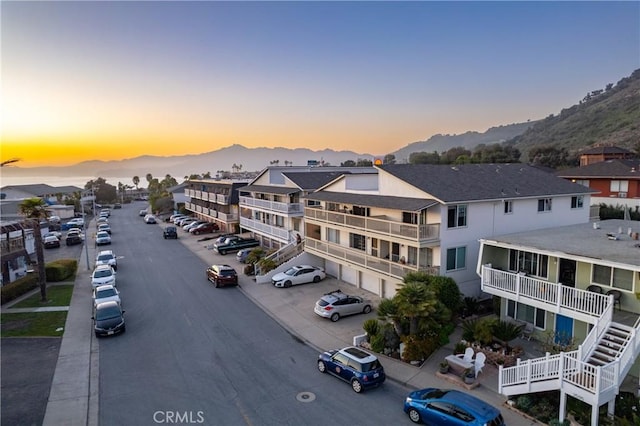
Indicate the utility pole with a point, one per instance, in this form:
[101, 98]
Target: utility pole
[86, 244]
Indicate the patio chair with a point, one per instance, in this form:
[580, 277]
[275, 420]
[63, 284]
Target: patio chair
[617, 295]
[595, 289]
[527, 331]
[467, 356]
[480, 359]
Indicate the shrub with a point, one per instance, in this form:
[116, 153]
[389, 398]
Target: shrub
[469, 306]
[377, 343]
[417, 348]
[61, 270]
[524, 403]
[447, 291]
[266, 265]
[371, 327]
[18, 287]
[250, 269]
[255, 255]
[459, 348]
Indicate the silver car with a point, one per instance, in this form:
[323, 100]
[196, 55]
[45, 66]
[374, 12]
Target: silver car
[336, 304]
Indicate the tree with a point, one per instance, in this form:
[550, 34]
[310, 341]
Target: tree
[136, 181]
[415, 300]
[348, 163]
[363, 162]
[9, 162]
[34, 210]
[149, 177]
[424, 158]
[389, 159]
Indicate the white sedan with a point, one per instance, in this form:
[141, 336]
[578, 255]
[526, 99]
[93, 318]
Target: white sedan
[299, 275]
[106, 293]
[103, 237]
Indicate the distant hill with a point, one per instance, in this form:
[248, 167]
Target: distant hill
[468, 140]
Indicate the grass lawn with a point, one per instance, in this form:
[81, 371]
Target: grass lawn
[57, 295]
[33, 324]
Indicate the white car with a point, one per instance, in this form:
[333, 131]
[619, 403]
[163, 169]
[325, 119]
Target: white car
[56, 234]
[192, 224]
[106, 257]
[78, 221]
[104, 227]
[103, 275]
[301, 274]
[77, 231]
[106, 293]
[150, 219]
[102, 238]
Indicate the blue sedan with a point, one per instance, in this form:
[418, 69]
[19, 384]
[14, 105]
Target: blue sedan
[450, 407]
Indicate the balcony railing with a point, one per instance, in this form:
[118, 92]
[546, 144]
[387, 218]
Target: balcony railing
[569, 301]
[379, 226]
[264, 228]
[276, 206]
[360, 258]
[12, 245]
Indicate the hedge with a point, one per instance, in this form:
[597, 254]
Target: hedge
[18, 287]
[58, 270]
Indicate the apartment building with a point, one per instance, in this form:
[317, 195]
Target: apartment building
[17, 243]
[272, 205]
[582, 284]
[215, 200]
[371, 229]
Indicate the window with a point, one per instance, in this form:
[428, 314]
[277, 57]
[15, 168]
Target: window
[457, 216]
[526, 313]
[456, 258]
[577, 201]
[532, 263]
[612, 277]
[619, 186]
[583, 182]
[333, 235]
[279, 221]
[544, 205]
[357, 241]
[412, 255]
[410, 217]
[313, 203]
[508, 206]
[361, 211]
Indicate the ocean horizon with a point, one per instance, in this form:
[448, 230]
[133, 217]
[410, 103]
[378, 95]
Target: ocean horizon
[79, 181]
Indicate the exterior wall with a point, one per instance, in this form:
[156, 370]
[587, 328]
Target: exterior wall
[355, 184]
[392, 186]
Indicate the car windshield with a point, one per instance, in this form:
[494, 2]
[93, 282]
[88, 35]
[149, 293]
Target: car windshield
[291, 271]
[107, 292]
[369, 366]
[108, 312]
[227, 273]
[102, 273]
[105, 257]
[434, 394]
[102, 234]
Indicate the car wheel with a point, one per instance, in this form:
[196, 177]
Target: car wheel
[97, 335]
[356, 386]
[322, 367]
[335, 317]
[287, 284]
[414, 415]
[366, 309]
[223, 252]
[316, 279]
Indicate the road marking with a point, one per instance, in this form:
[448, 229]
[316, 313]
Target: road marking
[187, 318]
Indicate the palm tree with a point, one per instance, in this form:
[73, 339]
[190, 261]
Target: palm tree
[149, 177]
[9, 162]
[136, 181]
[414, 300]
[34, 210]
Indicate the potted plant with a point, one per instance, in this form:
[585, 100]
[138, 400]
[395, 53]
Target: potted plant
[469, 376]
[444, 367]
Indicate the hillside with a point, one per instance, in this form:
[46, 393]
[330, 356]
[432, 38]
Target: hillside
[608, 116]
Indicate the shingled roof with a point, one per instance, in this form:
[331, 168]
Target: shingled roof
[387, 202]
[475, 182]
[313, 181]
[605, 169]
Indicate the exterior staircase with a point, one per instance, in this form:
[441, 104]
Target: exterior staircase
[592, 373]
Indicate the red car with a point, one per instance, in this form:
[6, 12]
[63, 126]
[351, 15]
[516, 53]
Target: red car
[204, 228]
[222, 275]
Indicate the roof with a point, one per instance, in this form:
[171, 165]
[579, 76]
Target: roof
[269, 189]
[40, 189]
[605, 169]
[605, 150]
[313, 181]
[475, 182]
[388, 202]
[583, 240]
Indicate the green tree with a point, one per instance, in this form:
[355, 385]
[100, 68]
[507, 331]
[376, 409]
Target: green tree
[364, 162]
[136, 181]
[149, 177]
[389, 159]
[414, 300]
[424, 158]
[348, 163]
[34, 210]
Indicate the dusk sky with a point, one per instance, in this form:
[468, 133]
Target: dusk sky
[115, 80]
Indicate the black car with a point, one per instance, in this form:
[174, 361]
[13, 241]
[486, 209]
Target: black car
[73, 239]
[108, 319]
[170, 232]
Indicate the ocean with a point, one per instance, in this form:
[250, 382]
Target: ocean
[79, 181]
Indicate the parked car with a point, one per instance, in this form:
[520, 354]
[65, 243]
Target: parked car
[241, 256]
[234, 243]
[103, 238]
[105, 212]
[204, 228]
[103, 274]
[186, 221]
[221, 275]
[73, 238]
[182, 220]
[77, 230]
[450, 407]
[174, 218]
[336, 304]
[104, 227]
[150, 219]
[353, 365]
[106, 257]
[108, 319]
[143, 213]
[102, 219]
[56, 234]
[170, 232]
[51, 242]
[77, 222]
[117, 206]
[106, 293]
[189, 225]
[301, 274]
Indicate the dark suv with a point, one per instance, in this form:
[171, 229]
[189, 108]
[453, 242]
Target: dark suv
[221, 275]
[170, 232]
[353, 365]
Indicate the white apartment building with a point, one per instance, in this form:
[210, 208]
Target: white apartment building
[371, 229]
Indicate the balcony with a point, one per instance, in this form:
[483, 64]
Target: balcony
[346, 254]
[265, 229]
[385, 227]
[292, 209]
[12, 245]
[227, 217]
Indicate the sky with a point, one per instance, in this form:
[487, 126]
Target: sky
[116, 80]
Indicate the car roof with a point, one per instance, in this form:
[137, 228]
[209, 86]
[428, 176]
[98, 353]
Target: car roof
[107, 304]
[105, 252]
[470, 402]
[221, 267]
[105, 287]
[103, 267]
[358, 354]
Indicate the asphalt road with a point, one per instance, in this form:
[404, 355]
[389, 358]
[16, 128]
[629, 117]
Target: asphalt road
[196, 354]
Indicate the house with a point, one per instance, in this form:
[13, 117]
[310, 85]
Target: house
[16, 244]
[178, 194]
[604, 153]
[215, 200]
[617, 181]
[581, 283]
[272, 205]
[371, 229]
[50, 194]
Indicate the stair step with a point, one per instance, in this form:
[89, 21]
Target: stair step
[596, 362]
[602, 357]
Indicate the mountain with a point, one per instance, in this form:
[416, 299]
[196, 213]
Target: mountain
[468, 140]
[250, 159]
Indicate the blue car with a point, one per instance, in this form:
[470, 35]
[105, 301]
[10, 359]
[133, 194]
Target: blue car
[450, 407]
[353, 365]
